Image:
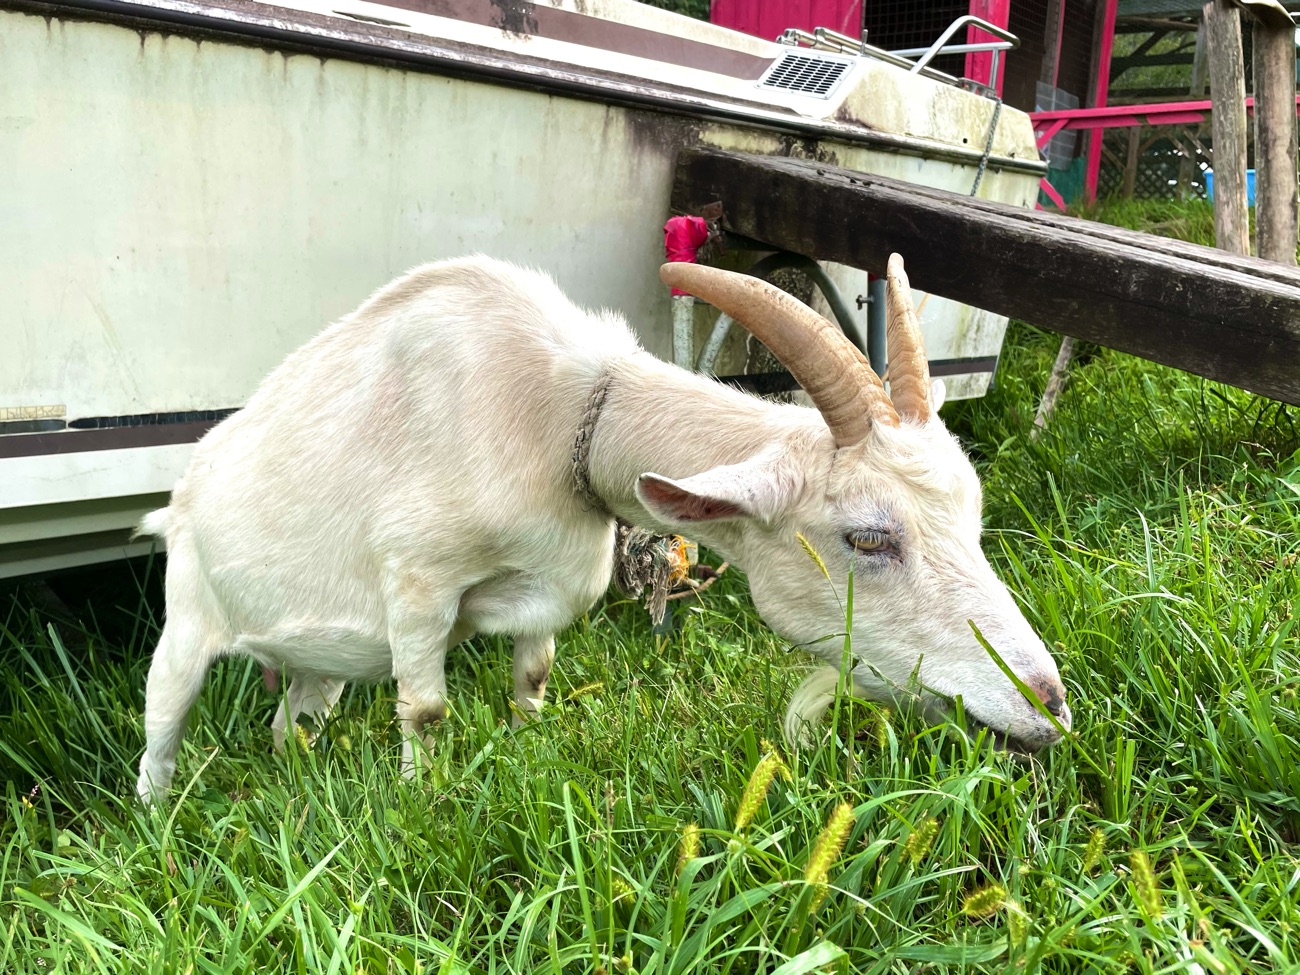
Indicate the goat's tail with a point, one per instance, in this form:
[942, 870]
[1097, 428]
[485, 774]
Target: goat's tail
[155, 523]
[811, 700]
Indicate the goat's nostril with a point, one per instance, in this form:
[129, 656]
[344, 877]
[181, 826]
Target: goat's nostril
[1052, 694]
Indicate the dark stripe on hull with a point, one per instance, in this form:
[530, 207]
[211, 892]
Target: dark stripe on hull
[111, 433]
[565, 25]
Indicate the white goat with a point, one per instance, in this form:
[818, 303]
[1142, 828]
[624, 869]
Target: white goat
[406, 479]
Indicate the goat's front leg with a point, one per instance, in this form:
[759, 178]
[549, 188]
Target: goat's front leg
[533, 658]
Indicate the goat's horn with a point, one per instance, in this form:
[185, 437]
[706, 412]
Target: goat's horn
[909, 371]
[827, 365]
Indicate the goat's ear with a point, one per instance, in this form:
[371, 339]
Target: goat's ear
[756, 488]
[938, 394]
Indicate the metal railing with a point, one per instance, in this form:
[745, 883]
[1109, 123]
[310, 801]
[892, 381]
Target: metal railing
[915, 60]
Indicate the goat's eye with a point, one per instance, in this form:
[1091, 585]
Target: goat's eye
[869, 543]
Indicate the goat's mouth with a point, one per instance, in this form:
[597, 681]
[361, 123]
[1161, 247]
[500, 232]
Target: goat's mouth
[1036, 734]
[1004, 741]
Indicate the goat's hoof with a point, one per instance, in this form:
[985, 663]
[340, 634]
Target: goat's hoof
[149, 790]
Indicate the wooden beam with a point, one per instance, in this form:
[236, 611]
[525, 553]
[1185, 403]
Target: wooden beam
[1233, 319]
[1207, 151]
[1275, 142]
[1151, 60]
[1139, 25]
[1228, 91]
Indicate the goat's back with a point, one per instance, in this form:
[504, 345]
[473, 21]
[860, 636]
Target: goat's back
[439, 417]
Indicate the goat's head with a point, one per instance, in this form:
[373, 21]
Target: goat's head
[890, 496]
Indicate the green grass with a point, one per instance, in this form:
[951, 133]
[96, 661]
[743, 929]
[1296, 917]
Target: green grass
[1152, 535]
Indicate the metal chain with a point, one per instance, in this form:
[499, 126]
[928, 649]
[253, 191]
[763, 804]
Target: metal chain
[988, 146]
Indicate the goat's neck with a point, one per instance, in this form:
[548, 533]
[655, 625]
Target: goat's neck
[661, 419]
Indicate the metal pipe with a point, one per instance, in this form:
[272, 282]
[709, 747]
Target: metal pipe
[776, 262]
[911, 52]
[848, 45]
[709, 354]
[683, 330]
[793, 36]
[876, 354]
[967, 20]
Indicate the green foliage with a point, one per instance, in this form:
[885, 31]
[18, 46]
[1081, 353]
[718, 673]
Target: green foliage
[699, 9]
[1189, 220]
[1151, 536]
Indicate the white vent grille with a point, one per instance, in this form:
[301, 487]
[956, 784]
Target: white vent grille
[806, 74]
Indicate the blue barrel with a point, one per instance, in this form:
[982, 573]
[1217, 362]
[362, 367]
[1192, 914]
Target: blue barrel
[1250, 186]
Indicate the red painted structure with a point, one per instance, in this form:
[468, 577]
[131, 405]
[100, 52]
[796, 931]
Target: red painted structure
[979, 64]
[768, 18]
[1048, 124]
[1101, 87]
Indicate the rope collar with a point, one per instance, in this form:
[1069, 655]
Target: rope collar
[582, 442]
[642, 559]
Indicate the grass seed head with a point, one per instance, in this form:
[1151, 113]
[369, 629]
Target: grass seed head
[826, 850]
[1017, 923]
[829, 844]
[917, 845]
[783, 770]
[812, 554]
[688, 848]
[595, 687]
[756, 789]
[984, 901]
[1093, 852]
[880, 725]
[1144, 884]
[620, 890]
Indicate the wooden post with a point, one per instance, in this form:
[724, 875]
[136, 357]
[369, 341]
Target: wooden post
[1055, 383]
[1228, 92]
[1055, 27]
[1101, 86]
[1187, 167]
[1131, 161]
[1199, 66]
[1275, 142]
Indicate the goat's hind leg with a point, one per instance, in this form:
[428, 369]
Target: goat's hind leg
[314, 697]
[191, 639]
[180, 663]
